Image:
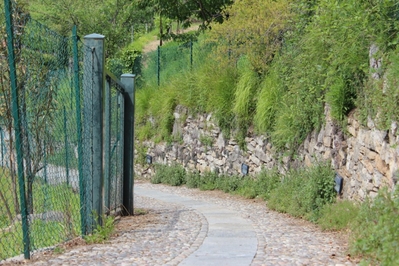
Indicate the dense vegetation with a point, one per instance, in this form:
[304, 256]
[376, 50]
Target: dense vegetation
[274, 65]
[272, 68]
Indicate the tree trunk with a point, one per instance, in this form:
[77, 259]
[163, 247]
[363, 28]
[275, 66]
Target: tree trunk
[12, 171]
[9, 214]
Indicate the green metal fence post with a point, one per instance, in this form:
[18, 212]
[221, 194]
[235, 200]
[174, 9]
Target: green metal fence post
[93, 85]
[191, 54]
[17, 127]
[128, 152]
[66, 148]
[159, 65]
[76, 79]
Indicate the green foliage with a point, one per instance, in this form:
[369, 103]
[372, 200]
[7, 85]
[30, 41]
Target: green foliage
[59, 200]
[110, 18]
[244, 98]
[269, 99]
[228, 184]
[58, 250]
[206, 140]
[376, 230]
[192, 179]
[139, 211]
[102, 232]
[380, 98]
[255, 28]
[338, 216]
[184, 11]
[207, 181]
[303, 192]
[174, 175]
[266, 182]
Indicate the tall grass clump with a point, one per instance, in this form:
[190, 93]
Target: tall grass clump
[268, 101]
[244, 96]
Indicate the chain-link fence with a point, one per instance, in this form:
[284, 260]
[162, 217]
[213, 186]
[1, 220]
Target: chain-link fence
[39, 187]
[61, 164]
[114, 148]
[155, 68]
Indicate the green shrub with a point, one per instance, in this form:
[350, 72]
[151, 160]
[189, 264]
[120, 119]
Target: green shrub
[193, 179]
[159, 174]
[338, 216]
[208, 181]
[376, 230]
[228, 184]
[304, 192]
[266, 182]
[247, 188]
[174, 175]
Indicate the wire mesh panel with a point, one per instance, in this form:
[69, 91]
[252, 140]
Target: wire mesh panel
[114, 164]
[61, 148]
[159, 66]
[44, 141]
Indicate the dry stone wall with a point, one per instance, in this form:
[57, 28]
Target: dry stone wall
[367, 158]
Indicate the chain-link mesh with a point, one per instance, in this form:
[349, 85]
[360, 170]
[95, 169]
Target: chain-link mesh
[61, 148]
[47, 127]
[157, 67]
[113, 181]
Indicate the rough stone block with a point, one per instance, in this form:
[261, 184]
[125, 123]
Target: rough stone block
[368, 165]
[371, 155]
[255, 160]
[251, 147]
[351, 129]
[382, 167]
[308, 161]
[262, 156]
[327, 154]
[327, 142]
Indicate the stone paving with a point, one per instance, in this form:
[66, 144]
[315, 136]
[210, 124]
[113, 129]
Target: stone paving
[180, 231]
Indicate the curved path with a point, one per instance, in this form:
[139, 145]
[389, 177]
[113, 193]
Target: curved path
[230, 239]
[191, 227]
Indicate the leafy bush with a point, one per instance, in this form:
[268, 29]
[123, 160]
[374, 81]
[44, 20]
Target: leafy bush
[208, 181]
[174, 175]
[266, 182]
[228, 184]
[376, 230]
[304, 192]
[193, 179]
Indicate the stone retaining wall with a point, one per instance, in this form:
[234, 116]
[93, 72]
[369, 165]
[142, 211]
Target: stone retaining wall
[365, 157]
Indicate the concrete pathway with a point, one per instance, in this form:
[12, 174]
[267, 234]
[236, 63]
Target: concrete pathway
[230, 240]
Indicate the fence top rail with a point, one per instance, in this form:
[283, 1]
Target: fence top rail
[120, 87]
